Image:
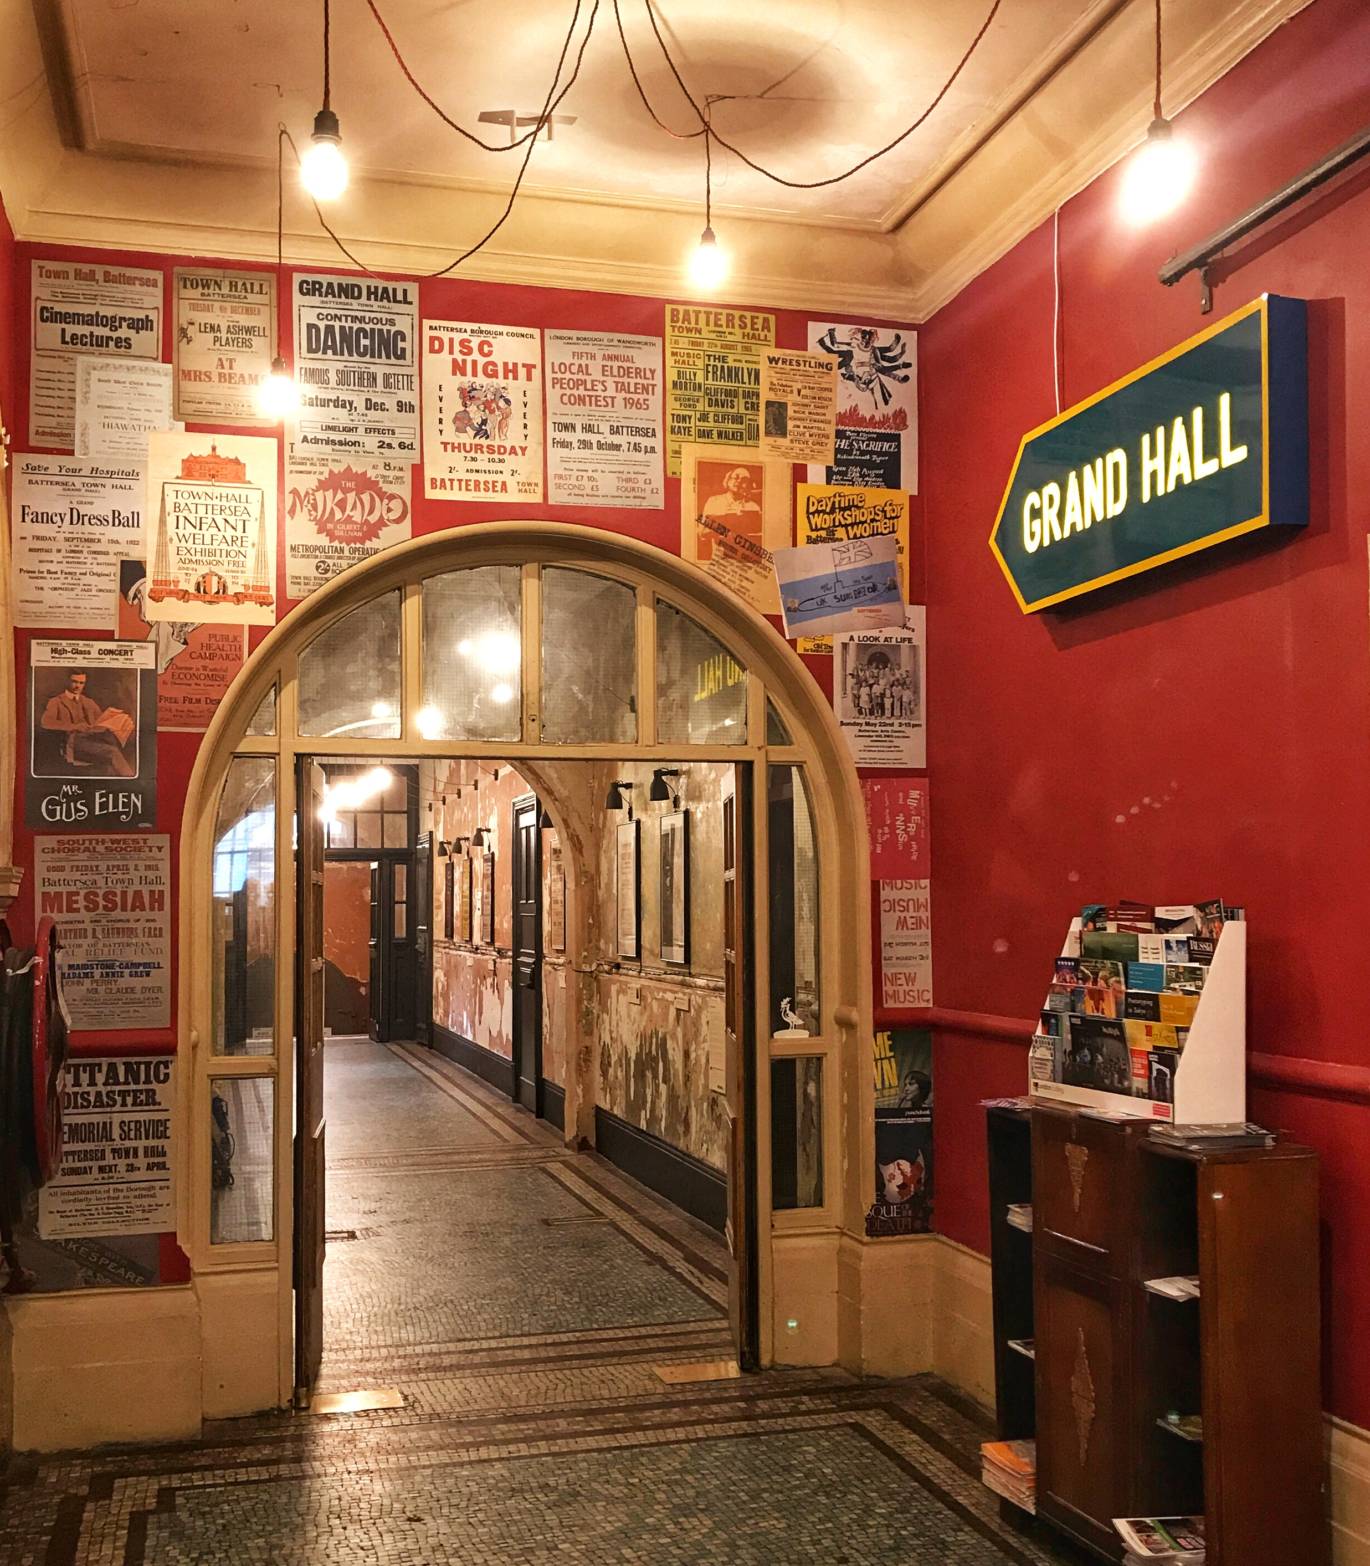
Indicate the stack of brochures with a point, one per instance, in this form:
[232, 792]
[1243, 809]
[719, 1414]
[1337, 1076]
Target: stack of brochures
[1009, 1468]
[1213, 1138]
[1175, 1288]
[1119, 1007]
[1150, 1539]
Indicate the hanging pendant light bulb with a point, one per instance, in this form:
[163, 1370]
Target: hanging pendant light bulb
[277, 395]
[323, 169]
[1161, 172]
[708, 263]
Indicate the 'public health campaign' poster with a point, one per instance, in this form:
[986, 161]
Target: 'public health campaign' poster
[92, 736]
[482, 412]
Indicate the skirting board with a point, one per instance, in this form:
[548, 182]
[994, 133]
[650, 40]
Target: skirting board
[963, 1355]
[484, 1063]
[685, 1181]
[554, 1104]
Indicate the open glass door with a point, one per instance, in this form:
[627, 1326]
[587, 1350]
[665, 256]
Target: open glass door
[309, 1113]
[738, 1001]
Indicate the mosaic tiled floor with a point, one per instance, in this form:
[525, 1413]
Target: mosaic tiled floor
[520, 1298]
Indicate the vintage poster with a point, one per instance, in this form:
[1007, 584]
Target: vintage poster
[482, 412]
[73, 523]
[115, 1176]
[877, 405]
[210, 529]
[905, 944]
[898, 823]
[832, 514]
[195, 663]
[487, 899]
[338, 512]
[628, 883]
[798, 405]
[92, 751]
[556, 902]
[850, 586]
[734, 514]
[356, 361]
[81, 308]
[111, 898]
[713, 377]
[880, 693]
[903, 1134]
[604, 435]
[117, 402]
[225, 342]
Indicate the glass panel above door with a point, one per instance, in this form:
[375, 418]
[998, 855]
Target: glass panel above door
[472, 655]
[588, 659]
[701, 690]
[350, 675]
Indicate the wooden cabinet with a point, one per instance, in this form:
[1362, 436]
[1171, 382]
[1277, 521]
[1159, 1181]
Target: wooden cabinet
[1119, 1372]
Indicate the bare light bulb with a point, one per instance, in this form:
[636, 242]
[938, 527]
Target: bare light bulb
[277, 394]
[323, 168]
[1159, 175]
[429, 722]
[708, 263]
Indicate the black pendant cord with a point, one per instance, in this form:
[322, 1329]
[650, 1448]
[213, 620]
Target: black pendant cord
[327, 55]
[1156, 109]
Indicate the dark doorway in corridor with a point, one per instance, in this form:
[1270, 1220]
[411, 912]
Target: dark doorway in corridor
[527, 956]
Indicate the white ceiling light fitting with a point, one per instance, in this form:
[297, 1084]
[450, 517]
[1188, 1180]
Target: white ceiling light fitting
[1160, 174]
[323, 169]
[515, 122]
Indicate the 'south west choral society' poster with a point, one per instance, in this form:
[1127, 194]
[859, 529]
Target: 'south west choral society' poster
[482, 412]
[604, 442]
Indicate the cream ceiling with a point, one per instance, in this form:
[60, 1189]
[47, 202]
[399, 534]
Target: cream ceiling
[152, 122]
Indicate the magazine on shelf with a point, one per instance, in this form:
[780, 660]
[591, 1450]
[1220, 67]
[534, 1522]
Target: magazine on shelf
[1163, 1538]
[1178, 1288]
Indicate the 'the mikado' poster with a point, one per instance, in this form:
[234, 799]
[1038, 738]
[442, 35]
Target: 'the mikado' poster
[79, 308]
[604, 436]
[734, 514]
[877, 405]
[225, 342]
[879, 690]
[196, 664]
[356, 361]
[210, 529]
[73, 523]
[832, 513]
[92, 752]
[338, 512]
[798, 405]
[482, 412]
[111, 898]
[713, 377]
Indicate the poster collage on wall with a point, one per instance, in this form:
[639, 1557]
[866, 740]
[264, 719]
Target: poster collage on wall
[149, 513]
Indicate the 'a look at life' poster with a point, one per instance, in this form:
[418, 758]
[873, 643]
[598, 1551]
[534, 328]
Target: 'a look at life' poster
[356, 361]
[604, 437]
[879, 690]
[877, 405]
[111, 897]
[482, 412]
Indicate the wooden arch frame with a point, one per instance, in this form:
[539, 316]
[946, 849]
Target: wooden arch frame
[250, 1282]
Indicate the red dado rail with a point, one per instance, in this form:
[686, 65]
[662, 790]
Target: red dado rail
[1283, 1073]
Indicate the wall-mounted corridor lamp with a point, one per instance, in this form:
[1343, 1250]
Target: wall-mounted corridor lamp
[444, 848]
[661, 791]
[459, 844]
[614, 799]
[478, 837]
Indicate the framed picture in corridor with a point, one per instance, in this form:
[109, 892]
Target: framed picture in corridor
[627, 879]
[675, 887]
[487, 899]
[449, 898]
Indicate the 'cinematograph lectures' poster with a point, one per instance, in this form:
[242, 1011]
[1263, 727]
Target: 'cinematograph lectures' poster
[111, 898]
[482, 412]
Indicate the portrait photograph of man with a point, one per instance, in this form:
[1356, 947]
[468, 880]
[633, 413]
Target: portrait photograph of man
[88, 725]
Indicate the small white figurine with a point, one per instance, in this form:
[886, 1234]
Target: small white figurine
[796, 1028]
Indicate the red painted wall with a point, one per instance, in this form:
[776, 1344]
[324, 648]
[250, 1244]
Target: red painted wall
[9, 357]
[1200, 732]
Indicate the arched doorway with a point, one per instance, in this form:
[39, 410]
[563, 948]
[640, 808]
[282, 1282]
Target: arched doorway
[529, 643]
